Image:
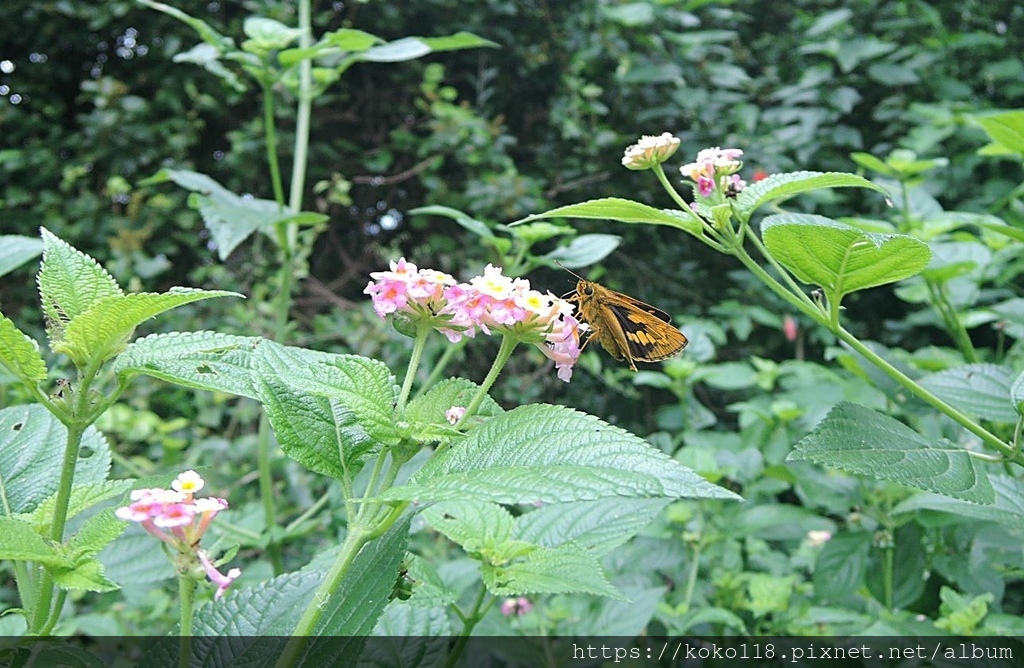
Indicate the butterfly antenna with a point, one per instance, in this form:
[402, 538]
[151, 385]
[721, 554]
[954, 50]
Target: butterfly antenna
[569, 270]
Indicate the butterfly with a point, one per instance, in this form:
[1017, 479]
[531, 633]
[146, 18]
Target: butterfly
[627, 328]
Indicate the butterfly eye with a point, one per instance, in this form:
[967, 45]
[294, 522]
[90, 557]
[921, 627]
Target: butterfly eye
[588, 290]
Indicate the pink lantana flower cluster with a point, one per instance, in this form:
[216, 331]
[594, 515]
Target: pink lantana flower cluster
[178, 518]
[716, 168]
[490, 303]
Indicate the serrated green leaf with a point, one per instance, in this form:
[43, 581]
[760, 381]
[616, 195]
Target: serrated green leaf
[781, 186]
[552, 454]
[560, 570]
[1006, 129]
[584, 250]
[103, 330]
[86, 574]
[622, 210]
[16, 250]
[839, 258]
[477, 527]
[95, 533]
[429, 590]
[426, 413]
[980, 390]
[859, 440]
[22, 543]
[70, 283]
[330, 412]
[1007, 509]
[598, 526]
[202, 360]
[409, 635]
[31, 453]
[83, 497]
[19, 353]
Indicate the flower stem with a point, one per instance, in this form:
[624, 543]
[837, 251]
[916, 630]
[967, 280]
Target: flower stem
[468, 622]
[508, 344]
[423, 329]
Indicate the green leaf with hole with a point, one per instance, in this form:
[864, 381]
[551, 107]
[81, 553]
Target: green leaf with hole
[859, 440]
[839, 258]
[622, 210]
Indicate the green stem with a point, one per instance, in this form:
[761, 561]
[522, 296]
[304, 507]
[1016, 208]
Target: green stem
[270, 133]
[898, 376]
[691, 577]
[423, 329]
[954, 324]
[186, 598]
[440, 365]
[266, 483]
[888, 568]
[793, 287]
[302, 124]
[508, 344]
[469, 621]
[674, 194]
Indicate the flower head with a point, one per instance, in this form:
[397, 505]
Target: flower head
[516, 606]
[715, 169]
[650, 151]
[818, 538]
[454, 414]
[223, 581]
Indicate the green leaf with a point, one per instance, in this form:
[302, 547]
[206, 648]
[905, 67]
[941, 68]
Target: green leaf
[460, 40]
[16, 250]
[465, 221]
[103, 331]
[202, 360]
[70, 282]
[560, 570]
[477, 527]
[330, 412]
[1007, 509]
[96, 532]
[859, 440]
[839, 258]
[409, 48]
[19, 353]
[980, 390]
[622, 210]
[841, 566]
[83, 497]
[205, 32]
[1005, 129]
[86, 573]
[552, 454]
[1017, 394]
[267, 34]
[584, 250]
[426, 413]
[232, 219]
[598, 526]
[22, 543]
[409, 635]
[348, 39]
[781, 186]
[31, 454]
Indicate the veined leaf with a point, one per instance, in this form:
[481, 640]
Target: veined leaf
[781, 186]
[426, 414]
[980, 390]
[839, 258]
[622, 210]
[584, 250]
[598, 526]
[552, 454]
[103, 331]
[859, 440]
[19, 353]
[202, 360]
[477, 527]
[1008, 508]
[22, 543]
[560, 570]
[70, 282]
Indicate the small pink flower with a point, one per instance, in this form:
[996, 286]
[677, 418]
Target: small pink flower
[516, 606]
[216, 577]
[705, 185]
[455, 413]
[790, 328]
[818, 538]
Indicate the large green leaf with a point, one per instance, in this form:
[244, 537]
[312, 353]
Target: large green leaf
[1005, 129]
[584, 250]
[1007, 509]
[103, 330]
[841, 565]
[839, 258]
[599, 526]
[859, 440]
[409, 48]
[558, 570]
[781, 186]
[21, 542]
[552, 454]
[32, 451]
[19, 353]
[203, 360]
[426, 414]
[622, 210]
[70, 282]
[476, 526]
[980, 390]
[16, 250]
[329, 411]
